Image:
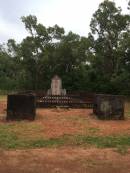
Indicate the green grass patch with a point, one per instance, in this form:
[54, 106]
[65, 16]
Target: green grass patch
[127, 114]
[3, 97]
[23, 135]
[103, 142]
[11, 140]
[123, 150]
[93, 130]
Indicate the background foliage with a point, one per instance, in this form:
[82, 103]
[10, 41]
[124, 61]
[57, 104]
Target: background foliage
[99, 62]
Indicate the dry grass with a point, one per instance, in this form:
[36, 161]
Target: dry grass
[72, 139]
[56, 127]
[127, 109]
[3, 97]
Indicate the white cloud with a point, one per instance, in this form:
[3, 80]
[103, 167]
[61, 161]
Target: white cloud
[11, 30]
[73, 15]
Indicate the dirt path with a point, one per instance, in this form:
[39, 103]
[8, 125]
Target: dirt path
[65, 160]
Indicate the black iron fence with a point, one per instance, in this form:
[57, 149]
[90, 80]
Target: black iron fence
[77, 99]
[73, 101]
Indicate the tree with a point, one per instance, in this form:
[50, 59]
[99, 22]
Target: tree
[36, 49]
[97, 63]
[108, 26]
[7, 71]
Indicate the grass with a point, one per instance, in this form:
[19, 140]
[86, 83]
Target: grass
[127, 109]
[104, 142]
[3, 97]
[93, 130]
[11, 139]
[22, 130]
[122, 150]
[23, 135]
[127, 114]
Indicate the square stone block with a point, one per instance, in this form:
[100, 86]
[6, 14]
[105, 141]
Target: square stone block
[21, 107]
[109, 107]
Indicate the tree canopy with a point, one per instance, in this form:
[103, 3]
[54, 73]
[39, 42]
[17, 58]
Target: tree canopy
[99, 62]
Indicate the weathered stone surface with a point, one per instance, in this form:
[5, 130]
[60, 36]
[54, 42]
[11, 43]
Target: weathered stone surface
[109, 106]
[21, 107]
[56, 87]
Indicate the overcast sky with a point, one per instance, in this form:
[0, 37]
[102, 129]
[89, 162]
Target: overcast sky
[74, 15]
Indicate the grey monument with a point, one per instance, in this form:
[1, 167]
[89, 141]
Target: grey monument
[56, 87]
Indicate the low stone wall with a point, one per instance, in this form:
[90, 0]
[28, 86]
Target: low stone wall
[109, 107]
[21, 107]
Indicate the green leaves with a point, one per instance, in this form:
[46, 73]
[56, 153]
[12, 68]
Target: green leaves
[30, 23]
[97, 63]
[108, 28]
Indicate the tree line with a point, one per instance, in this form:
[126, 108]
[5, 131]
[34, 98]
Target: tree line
[99, 62]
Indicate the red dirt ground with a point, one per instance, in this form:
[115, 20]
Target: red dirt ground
[64, 160]
[57, 122]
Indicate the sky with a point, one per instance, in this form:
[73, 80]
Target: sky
[73, 15]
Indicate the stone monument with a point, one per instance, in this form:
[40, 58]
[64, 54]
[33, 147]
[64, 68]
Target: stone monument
[21, 107]
[56, 87]
[109, 106]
